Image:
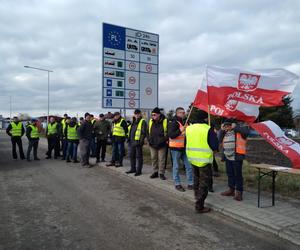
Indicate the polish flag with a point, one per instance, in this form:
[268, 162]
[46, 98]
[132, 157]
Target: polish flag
[266, 87]
[272, 133]
[229, 109]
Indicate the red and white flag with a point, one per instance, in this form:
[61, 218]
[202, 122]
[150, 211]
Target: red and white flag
[266, 87]
[272, 133]
[229, 109]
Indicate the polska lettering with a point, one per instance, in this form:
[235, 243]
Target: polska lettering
[246, 97]
[276, 143]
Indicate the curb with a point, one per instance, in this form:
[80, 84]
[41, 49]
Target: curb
[280, 232]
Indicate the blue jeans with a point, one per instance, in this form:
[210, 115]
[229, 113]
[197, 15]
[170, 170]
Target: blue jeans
[176, 156]
[118, 151]
[72, 150]
[235, 174]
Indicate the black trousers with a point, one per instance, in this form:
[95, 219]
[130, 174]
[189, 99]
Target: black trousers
[136, 154]
[202, 177]
[16, 140]
[52, 145]
[32, 144]
[101, 146]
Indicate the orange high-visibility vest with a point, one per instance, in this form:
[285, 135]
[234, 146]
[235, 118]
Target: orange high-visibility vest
[177, 142]
[240, 144]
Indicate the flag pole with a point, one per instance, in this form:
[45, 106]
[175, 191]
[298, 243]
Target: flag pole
[208, 106]
[187, 119]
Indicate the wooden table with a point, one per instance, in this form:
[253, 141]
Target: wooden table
[271, 171]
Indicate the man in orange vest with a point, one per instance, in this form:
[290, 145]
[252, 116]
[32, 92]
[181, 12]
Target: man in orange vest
[234, 145]
[176, 132]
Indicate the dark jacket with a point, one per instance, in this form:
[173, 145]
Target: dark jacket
[72, 125]
[174, 130]
[157, 138]
[124, 126]
[102, 129]
[9, 128]
[85, 130]
[28, 132]
[244, 131]
[134, 126]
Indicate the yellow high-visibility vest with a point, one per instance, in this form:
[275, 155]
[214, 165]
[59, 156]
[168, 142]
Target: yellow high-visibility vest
[138, 131]
[72, 133]
[16, 129]
[197, 149]
[52, 128]
[118, 130]
[34, 134]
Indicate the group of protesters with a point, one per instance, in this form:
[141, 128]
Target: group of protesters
[192, 144]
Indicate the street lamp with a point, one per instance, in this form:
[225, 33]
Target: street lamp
[48, 71]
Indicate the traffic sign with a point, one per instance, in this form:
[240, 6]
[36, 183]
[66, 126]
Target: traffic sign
[129, 64]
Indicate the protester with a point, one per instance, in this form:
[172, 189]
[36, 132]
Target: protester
[73, 140]
[119, 133]
[176, 132]
[52, 133]
[136, 136]
[102, 129]
[93, 140]
[16, 130]
[234, 145]
[201, 142]
[158, 138]
[85, 132]
[33, 135]
[64, 137]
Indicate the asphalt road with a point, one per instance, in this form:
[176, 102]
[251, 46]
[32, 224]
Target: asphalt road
[48, 204]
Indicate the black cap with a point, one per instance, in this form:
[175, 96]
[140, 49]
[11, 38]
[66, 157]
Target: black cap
[86, 114]
[101, 115]
[137, 111]
[156, 110]
[228, 121]
[117, 113]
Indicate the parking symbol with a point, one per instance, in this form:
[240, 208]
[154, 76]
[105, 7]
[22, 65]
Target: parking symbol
[109, 82]
[109, 92]
[108, 102]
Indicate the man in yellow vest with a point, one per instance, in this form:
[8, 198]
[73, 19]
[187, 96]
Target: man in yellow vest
[136, 137]
[64, 122]
[176, 132]
[119, 133]
[234, 147]
[52, 133]
[201, 142]
[73, 140]
[158, 138]
[33, 135]
[16, 130]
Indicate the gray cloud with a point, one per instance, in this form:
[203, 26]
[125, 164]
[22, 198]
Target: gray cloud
[65, 36]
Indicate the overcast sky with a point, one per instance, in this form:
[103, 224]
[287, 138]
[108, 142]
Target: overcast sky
[66, 36]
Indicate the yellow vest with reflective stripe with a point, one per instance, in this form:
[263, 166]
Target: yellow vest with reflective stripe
[72, 133]
[52, 128]
[197, 149]
[34, 132]
[118, 130]
[63, 122]
[16, 129]
[165, 125]
[138, 131]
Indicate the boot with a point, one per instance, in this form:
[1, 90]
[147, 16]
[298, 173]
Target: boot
[238, 196]
[154, 175]
[229, 192]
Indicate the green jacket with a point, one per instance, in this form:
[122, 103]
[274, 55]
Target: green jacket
[102, 129]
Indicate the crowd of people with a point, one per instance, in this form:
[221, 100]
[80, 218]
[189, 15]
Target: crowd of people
[192, 144]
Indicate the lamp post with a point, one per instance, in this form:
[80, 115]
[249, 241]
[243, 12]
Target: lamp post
[48, 71]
